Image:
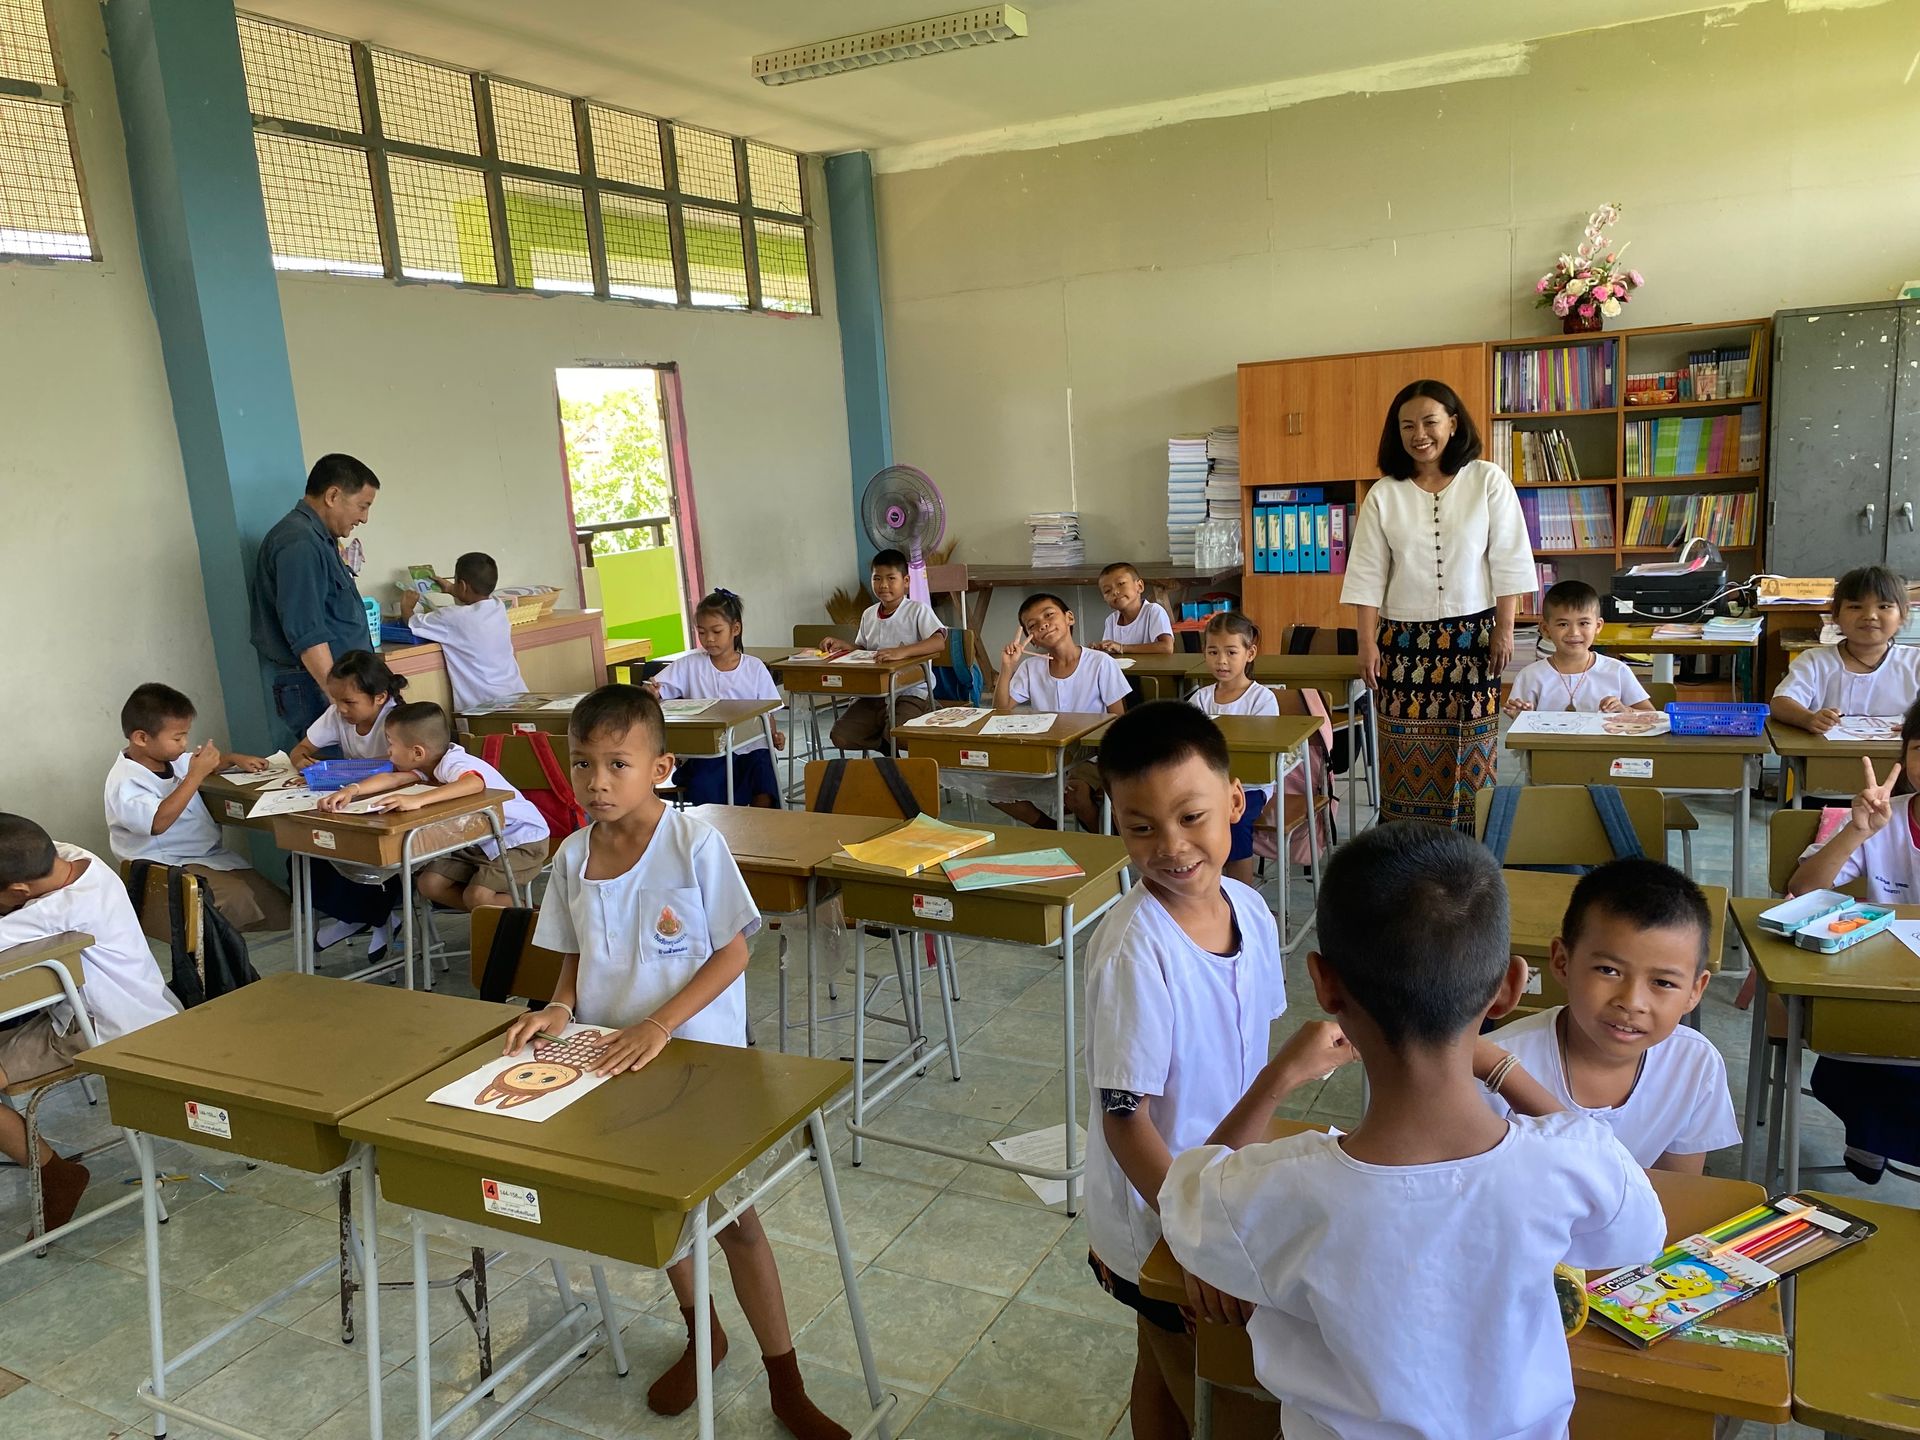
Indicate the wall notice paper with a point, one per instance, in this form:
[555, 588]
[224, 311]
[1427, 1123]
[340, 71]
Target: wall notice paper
[538, 1082]
[1866, 727]
[953, 717]
[279, 770]
[1019, 725]
[1044, 1150]
[1568, 722]
[685, 709]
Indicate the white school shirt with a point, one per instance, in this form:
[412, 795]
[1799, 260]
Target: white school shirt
[643, 935]
[1819, 679]
[1680, 1104]
[134, 794]
[1096, 682]
[1416, 556]
[1258, 700]
[124, 989]
[521, 822]
[1545, 688]
[911, 622]
[694, 676]
[1149, 625]
[1890, 861]
[1169, 1020]
[478, 644]
[1412, 1302]
[332, 729]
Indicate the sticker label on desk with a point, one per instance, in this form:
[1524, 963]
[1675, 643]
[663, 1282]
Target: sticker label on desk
[977, 759]
[235, 810]
[209, 1120]
[932, 907]
[325, 839]
[524, 727]
[832, 682]
[1628, 768]
[516, 1202]
[1533, 982]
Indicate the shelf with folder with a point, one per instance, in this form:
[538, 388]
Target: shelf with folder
[1555, 414]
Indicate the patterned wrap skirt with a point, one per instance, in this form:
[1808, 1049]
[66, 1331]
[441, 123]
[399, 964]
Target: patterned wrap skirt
[1439, 717]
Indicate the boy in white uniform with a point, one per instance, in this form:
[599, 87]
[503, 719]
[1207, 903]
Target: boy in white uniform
[1866, 673]
[1575, 676]
[46, 889]
[1632, 954]
[1403, 1272]
[473, 633]
[420, 745]
[1136, 625]
[896, 627]
[653, 917]
[1184, 979]
[155, 810]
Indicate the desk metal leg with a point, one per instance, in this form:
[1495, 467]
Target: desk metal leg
[1742, 806]
[726, 758]
[849, 1278]
[702, 1323]
[859, 1036]
[813, 967]
[1066, 998]
[422, 1331]
[1790, 1088]
[1313, 819]
[142, 1147]
[406, 915]
[370, 1289]
[1202, 1408]
[303, 921]
[1756, 1078]
[1060, 787]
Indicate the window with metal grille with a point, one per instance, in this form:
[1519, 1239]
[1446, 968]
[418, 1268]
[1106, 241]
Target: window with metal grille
[378, 163]
[42, 210]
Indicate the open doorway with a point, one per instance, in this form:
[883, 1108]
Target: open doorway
[636, 538]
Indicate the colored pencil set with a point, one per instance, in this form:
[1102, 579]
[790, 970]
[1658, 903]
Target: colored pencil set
[1780, 1230]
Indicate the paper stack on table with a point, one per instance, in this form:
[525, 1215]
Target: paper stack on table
[1186, 494]
[681, 709]
[922, 842]
[953, 717]
[1018, 725]
[1056, 538]
[279, 770]
[1223, 472]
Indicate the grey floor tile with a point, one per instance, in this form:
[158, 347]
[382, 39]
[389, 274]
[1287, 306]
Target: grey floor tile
[919, 1329]
[943, 1420]
[1046, 1368]
[43, 1415]
[287, 1385]
[982, 1244]
[105, 1374]
[1062, 1281]
[876, 1209]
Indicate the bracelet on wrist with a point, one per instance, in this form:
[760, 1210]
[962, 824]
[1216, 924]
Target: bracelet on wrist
[1497, 1076]
[649, 1020]
[561, 1005]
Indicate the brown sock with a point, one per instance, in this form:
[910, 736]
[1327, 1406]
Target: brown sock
[679, 1386]
[791, 1407]
[62, 1183]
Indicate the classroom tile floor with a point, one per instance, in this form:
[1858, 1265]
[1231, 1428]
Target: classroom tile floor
[985, 1321]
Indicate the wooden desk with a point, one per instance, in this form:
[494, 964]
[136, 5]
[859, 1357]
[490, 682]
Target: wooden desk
[1827, 767]
[1536, 904]
[1695, 764]
[1857, 1333]
[268, 1073]
[1329, 672]
[614, 1176]
[1638, 639]
[228, 802]
[563, 651]
[965, 748]
[401, 841]
[1672, 1390]
[1869, 1008]
[960, 579]
[779, 853]
[627, 655]
[1165, 677]
[1047, 914]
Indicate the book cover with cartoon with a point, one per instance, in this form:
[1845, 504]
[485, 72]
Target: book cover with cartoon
[1645, 1303]
[536, 1084]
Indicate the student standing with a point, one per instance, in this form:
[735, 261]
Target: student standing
[474, 634]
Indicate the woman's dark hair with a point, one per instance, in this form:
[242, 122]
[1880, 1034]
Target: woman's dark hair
[1869, 583]
[726, 605]
[1394, 460]
[1232, 622]
[369, 674]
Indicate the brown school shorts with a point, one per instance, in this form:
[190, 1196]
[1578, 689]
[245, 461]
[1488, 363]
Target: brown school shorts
[471, 866]
[32, 1049]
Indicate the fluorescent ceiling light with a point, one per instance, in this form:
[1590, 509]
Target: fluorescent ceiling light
[960, 31]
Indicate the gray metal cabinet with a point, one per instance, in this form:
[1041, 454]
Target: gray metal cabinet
[1844, 466]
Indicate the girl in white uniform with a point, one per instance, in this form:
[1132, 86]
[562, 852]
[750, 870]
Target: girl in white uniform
[363, 691]
[1231, 641]
[1866, 673]
[721, 670]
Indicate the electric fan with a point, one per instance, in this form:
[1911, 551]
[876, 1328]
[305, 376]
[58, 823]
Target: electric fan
[902, 510]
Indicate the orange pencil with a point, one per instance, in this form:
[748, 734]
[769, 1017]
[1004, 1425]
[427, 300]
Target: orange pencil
[1758, 1232]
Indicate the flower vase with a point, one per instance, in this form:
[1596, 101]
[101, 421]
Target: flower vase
[1577, 324]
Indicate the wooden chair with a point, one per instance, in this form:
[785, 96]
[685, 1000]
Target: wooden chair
[814, 634]
[863, 791]
[1557, 825]
[535, 972]
[156, 921]
[1680, 818]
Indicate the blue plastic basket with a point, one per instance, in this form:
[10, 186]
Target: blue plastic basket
[1716, 718]
[338, 774]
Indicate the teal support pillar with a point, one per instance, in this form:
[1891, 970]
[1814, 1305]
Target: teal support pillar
[863, 329]
[210, 277]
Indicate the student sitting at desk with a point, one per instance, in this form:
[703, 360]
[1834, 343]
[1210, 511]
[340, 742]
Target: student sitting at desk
[1065, 678]
[155, 810]
[1184, 979]
[474, 634]
[721, 670]
[1866, 673]
[1575, 676]
[46, 889]
[1137, 625]
[1632, 954]
[653, 918]
[363, 691]
[897, 627]
[1403, 1272]
[420, 745]
[1880, 844]
[1231, 642]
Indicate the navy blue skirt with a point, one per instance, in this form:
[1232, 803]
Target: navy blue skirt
[1243, 827]
[705, 781]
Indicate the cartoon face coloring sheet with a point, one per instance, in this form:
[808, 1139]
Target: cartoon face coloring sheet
[537, 1083]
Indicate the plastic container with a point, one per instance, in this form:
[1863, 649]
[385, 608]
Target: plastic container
[1716, 718]
[1790, 915]
[338, 774]
[1844, 928]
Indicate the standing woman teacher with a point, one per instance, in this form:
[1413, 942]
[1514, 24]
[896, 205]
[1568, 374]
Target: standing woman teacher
[1438, 566]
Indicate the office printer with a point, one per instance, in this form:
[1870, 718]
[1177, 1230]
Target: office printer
[1685, 585]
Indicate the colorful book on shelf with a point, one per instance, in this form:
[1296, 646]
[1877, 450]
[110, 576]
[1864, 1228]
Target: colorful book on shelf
[1029, 867]
[922, 842]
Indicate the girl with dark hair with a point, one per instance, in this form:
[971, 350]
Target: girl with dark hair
[1436, 571]
[721, 670]
[362, 691]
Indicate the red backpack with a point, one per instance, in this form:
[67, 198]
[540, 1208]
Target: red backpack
[555, 800]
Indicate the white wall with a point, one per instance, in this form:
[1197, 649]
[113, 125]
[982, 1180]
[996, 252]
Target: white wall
[102, 576]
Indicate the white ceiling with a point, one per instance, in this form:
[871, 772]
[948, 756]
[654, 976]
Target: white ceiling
[688, 59]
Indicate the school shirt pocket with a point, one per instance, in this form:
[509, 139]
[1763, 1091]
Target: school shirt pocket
[673, 927]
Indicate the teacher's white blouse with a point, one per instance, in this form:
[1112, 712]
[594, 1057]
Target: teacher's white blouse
[1416, 556]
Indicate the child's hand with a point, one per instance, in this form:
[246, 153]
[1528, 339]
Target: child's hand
[892, 655]
[652, 687]
[1314, 1051]
[1112, 647]
[632, 1048]
[779, 738]
[1822, 721]
[409, 602]
[1016, 651]
[1612, 705]
[550, 1020]
[1873, 806]
[254, 764]
[337, 799]
[205, 761]
[1517, 706]
[1216, 1305]
[394, 804]
[834, 645]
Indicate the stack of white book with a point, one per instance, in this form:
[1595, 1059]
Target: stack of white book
[1056, 538]
[1223, 472]
[1186, 494]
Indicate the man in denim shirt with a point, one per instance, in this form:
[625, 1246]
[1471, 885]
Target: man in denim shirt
[306, 611]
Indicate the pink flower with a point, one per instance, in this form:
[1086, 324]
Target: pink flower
[1587, 309]
[1636, 277]
[1542, 283]
[1562, 303]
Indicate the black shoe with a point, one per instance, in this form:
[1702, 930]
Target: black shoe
[1864, 1165]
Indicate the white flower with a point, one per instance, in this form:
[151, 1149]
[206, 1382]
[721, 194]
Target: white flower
[1576, 287]
[1609, 308]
